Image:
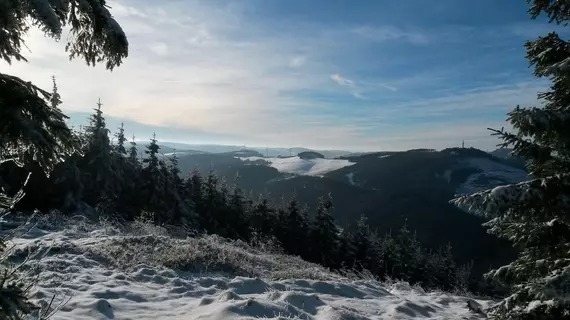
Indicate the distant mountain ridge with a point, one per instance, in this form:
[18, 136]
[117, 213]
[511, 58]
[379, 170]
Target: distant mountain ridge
[506, 153]
[265, 151]
[390, 188]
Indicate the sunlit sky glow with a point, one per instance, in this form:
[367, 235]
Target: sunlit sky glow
[353, 75]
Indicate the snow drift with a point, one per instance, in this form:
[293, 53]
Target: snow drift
[140, 273]
[309, 167]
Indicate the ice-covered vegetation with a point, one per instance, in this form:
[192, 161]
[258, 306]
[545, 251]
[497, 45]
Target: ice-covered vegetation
[141, 271]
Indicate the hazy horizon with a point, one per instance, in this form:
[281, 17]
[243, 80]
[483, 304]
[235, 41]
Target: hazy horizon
[318, 74]
[143, 133]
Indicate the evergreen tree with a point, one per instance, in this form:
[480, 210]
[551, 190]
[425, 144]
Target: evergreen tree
[152, 162]
[194, 190]
[98, 165]
[534, 215]
[152, 188]
[175, 170]
[442, 270]
[295, 228]
[211, 196]
[133, 152]
[169, 196]
[345, 250]
[262, 217]
[130, 202]
[67, 189]
[360, 240]
[410, 256]
[180, 200]
[324, 234]
[121, 139]
[31, 128]
[238, 220]
[390, 256]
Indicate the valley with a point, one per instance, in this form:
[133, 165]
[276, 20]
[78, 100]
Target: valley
[389, 188]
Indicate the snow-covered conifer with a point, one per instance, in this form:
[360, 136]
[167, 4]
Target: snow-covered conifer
[535, 215]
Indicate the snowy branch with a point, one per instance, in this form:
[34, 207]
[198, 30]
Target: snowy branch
[497, 200]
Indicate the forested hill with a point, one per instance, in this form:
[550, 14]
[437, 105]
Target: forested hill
[389, 188]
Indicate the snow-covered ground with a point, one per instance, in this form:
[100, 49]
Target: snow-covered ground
[490, 173]
[311, 167]
[135, 273]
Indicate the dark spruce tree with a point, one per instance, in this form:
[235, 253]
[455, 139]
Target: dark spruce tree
[128, 205]
[361, 244]
[182, 206]
[324, 235]
[121, 140]
[152, 180]
[535, 215]
[133, 153]
[263, 217]
[389, 256]
[411, 256]
[212, 202]
[194, 190]
[294, 231]
[174, 170]
[32, 130]
[67, 191]
[238, 207]
[98, 165]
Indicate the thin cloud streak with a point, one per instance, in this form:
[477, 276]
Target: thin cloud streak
[387, 33]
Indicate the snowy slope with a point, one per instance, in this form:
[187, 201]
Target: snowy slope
[110, 274]
[310, 167]
[490, 173]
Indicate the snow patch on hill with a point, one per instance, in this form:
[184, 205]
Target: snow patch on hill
[350, 177]
[491, 173]
[308, 167]
[113, 275]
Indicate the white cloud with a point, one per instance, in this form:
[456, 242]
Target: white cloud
[386, 33]
[355, 90]
[341, 80]
[359, 88]
[298, 61]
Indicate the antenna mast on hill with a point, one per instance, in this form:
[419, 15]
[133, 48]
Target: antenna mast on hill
[463, 145]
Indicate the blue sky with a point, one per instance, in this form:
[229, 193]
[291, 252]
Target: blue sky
[344, 74]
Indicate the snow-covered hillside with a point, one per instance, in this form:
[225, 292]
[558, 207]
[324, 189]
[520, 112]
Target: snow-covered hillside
[490, 174]
[309, 167]
[135, 273]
